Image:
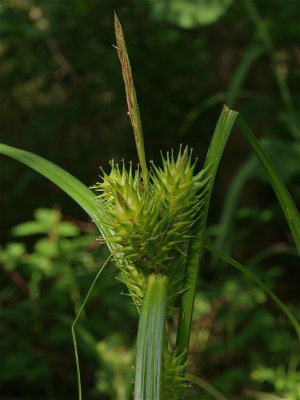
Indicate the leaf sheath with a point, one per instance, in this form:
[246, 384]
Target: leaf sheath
[150, 340]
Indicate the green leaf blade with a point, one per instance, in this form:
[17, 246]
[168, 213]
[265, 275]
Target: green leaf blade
[215, 151]
[222, 131]
[264, 287]
[65, 181]
[284, 198]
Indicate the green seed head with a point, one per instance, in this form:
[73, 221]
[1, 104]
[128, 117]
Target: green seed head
[152, 225]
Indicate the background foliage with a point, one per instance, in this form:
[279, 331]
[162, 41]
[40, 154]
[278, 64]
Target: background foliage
[63, 97]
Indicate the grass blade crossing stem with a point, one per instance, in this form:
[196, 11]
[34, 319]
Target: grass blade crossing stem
[208, 387]
[75, 321]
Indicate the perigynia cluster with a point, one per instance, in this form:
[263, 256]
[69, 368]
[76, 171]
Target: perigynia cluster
[152, 224]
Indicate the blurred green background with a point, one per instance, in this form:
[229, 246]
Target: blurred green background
[62, 96]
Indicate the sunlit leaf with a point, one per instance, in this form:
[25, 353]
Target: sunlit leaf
[189, 14]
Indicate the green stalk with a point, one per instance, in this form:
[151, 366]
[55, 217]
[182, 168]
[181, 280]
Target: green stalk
[224, 126]
[150, 339]
[133, 108]
[215, 151]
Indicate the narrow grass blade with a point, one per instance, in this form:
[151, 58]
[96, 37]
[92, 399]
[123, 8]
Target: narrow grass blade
[194, 113]
[65, 181]
[255, 279]
[208, 387]
[277, 249]
[218, 98]
[150, 340]
[133, 108]
[287, 205]
[216, 148]
[74, 323]
[230, 203]
[252, 54]
[292, 120]
[257, 395]
[215, 151]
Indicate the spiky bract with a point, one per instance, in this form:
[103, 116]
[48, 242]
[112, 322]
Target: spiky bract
[173, 382]
[152, 224]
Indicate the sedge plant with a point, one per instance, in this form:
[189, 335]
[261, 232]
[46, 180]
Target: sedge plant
[153, 220]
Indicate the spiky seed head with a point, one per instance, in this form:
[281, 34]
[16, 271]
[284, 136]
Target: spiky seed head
[151, 225]
[173, 381]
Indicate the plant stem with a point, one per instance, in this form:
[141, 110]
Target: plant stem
[150, 339]
[217, 145]
[133, 108]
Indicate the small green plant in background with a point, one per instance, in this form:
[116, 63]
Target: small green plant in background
[46, 259]
[153, 220]
[45, 279]
[284, 382]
